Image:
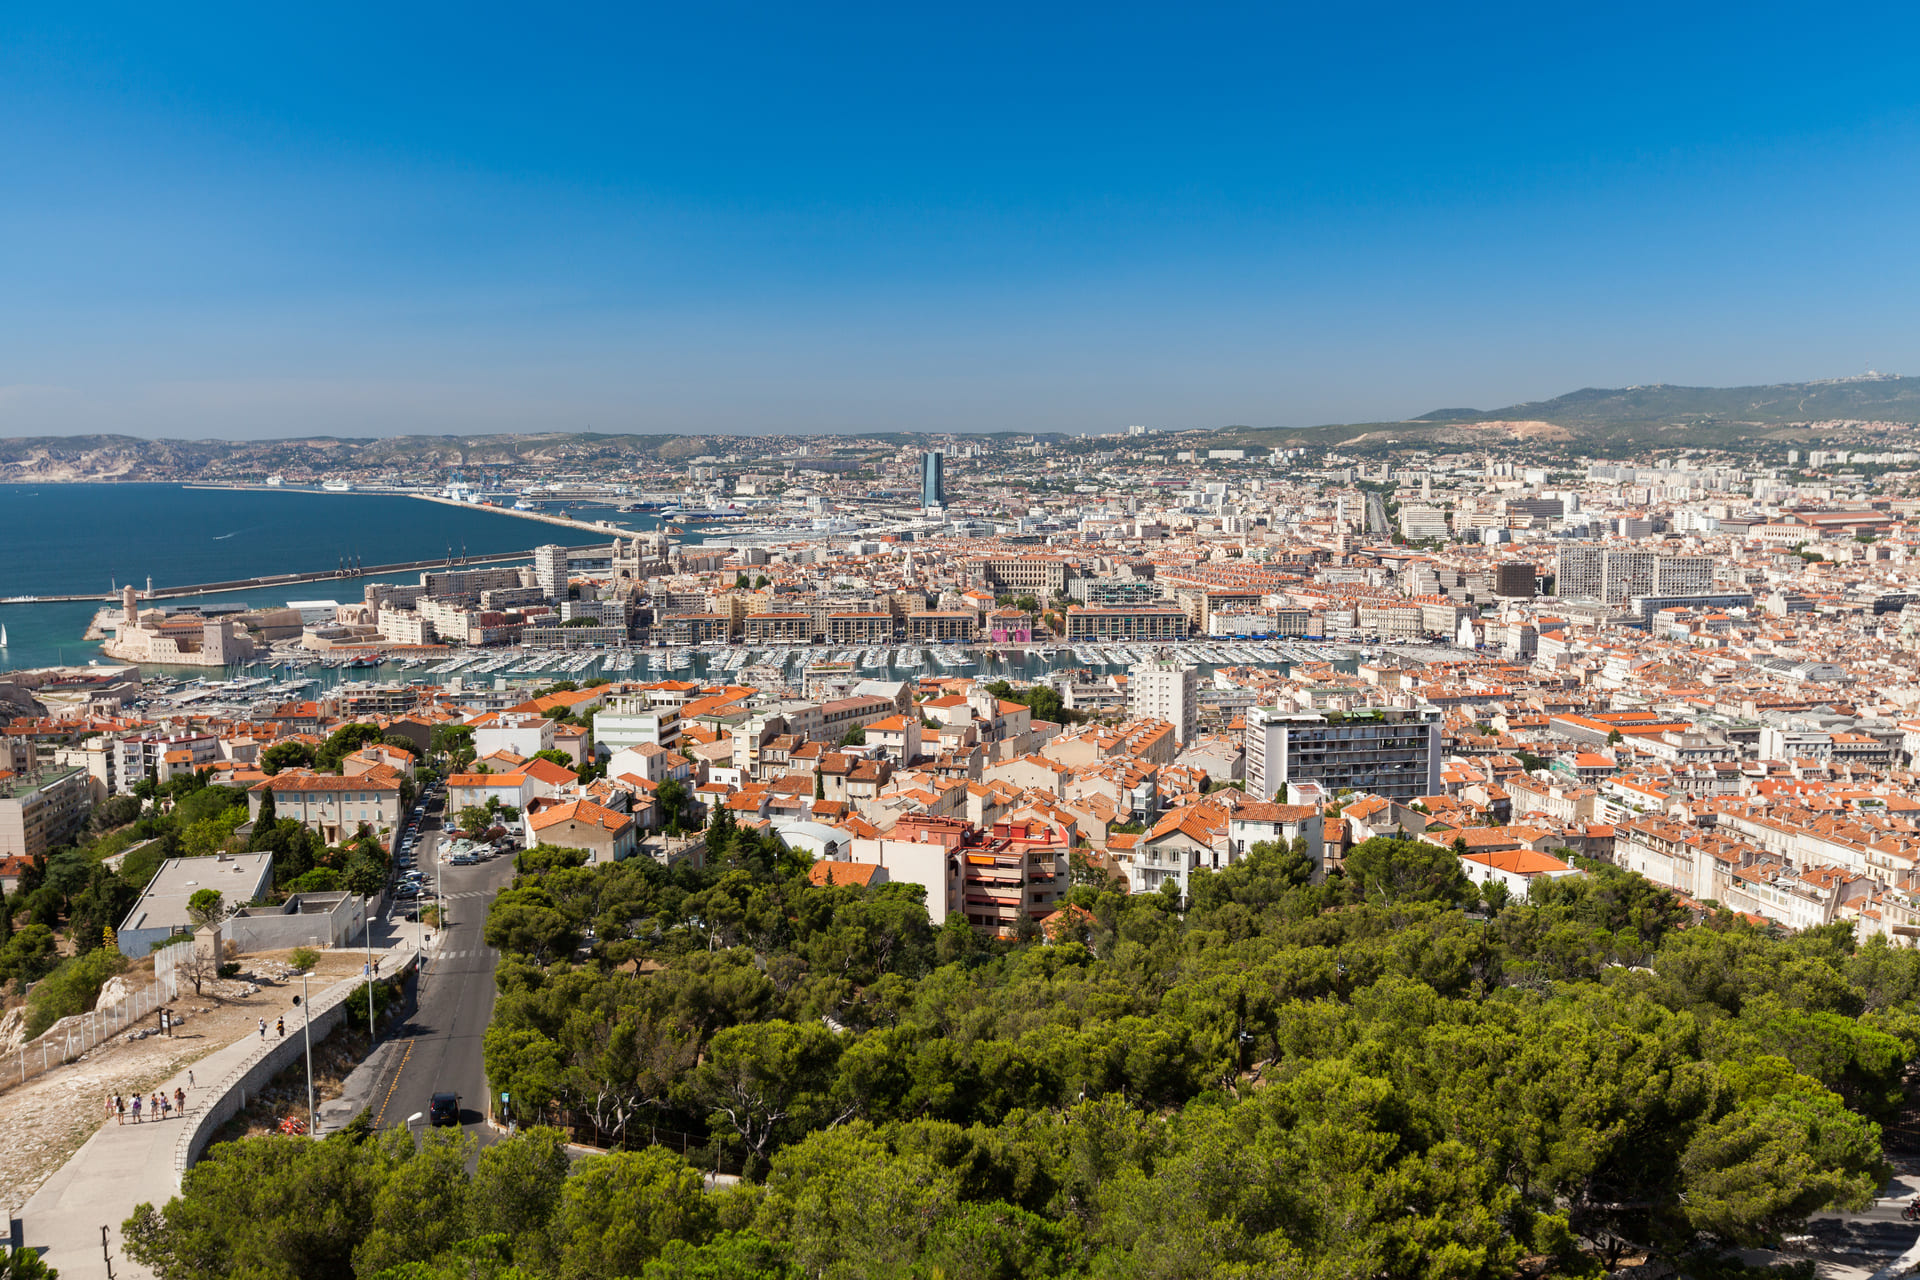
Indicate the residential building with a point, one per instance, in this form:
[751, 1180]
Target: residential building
[1166, 690]
[144, 755]
[942, 626]
[550, 571]
[42, 809]
[860, 628]
[605, 835]
[1125, 624]
[779, 628]
[1385, 751]
[333, 807]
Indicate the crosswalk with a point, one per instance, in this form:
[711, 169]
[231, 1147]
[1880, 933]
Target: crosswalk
[456, 955]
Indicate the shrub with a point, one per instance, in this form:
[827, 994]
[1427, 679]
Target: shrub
[303, 957]
[72, 988]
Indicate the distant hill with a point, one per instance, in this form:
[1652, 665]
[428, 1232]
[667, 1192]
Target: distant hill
[1648, 415]
[44, 459]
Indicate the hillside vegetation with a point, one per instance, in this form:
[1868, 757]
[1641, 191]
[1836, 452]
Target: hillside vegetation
[1384, 1075]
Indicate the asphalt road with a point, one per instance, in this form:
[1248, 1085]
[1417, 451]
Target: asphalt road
[440, 1044]
[1876, 1233]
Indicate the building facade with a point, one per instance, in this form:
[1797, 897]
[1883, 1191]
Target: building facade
[1385, 751]
[1167, 691]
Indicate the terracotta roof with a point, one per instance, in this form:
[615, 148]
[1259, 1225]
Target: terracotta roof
[582, 811]
[838, 873]
[1520, 862]
[291, 782]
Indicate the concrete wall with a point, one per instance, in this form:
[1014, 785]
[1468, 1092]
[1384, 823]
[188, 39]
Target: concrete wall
[277, 928]
[225, 1099]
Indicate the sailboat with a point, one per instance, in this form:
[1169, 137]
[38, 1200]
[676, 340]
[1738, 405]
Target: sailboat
[3, 635]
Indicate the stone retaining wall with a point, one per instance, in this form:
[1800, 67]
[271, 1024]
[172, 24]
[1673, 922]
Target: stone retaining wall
[225, 1099]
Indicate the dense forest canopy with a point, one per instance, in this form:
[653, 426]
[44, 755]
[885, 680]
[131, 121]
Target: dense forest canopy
[1381, 1075]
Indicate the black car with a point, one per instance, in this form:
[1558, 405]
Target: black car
[444, 1108]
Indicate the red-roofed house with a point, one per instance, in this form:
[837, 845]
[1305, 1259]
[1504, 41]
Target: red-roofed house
[1517, 869]
[607, 836]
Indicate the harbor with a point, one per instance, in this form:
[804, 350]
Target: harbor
[255, 689]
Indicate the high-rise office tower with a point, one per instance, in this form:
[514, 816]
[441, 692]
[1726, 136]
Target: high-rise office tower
[933, 478]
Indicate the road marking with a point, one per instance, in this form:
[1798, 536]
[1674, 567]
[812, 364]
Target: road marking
[382, 1117]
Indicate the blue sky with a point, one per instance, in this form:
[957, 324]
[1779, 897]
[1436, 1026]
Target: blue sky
[367, 221]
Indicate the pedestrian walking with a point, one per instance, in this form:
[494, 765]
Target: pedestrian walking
[120, 1105]
[136, 1108]
[109, 1106]
[190, 1078]
[263, 1028]
[282, 1024]
[180, 1100]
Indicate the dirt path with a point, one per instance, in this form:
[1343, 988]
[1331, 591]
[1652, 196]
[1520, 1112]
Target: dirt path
[43, 1122]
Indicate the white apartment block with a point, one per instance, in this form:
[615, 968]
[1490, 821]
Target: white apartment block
[550, 570]
[1167, 691]
[1601, 573]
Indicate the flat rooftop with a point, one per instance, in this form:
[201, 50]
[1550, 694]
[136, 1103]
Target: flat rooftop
[240, 878]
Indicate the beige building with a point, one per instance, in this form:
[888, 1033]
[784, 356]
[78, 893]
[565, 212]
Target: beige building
[606, 836]
[334, 808]
[41, 811]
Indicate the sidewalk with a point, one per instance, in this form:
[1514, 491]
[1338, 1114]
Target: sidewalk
[123, 1165]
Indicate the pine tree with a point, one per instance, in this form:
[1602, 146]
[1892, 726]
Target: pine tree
[263, 826]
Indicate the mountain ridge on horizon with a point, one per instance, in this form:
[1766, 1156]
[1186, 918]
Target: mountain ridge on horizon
[1650, 414]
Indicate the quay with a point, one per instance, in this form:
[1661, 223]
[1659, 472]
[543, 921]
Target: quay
[289, 579]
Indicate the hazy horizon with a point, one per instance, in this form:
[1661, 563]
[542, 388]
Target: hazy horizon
[265, 225]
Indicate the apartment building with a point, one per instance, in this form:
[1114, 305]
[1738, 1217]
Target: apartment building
[145, 755]
[334, 808]
[1612, 575]
[942, 626]
[695, 628]
[1385, 751]
[779, 628]
[1166, 690]
[1090, 625]
[42, 810]
[860, 628]
[550, 570]
[634, 721]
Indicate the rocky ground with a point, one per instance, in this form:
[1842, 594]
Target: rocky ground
[44, 1121]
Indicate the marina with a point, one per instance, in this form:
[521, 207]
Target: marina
[256, 689]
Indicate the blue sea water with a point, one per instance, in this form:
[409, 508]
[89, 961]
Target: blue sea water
[63, 539]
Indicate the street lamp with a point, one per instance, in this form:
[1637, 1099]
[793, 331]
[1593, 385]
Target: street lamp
[373, 1031]
[306, 1011]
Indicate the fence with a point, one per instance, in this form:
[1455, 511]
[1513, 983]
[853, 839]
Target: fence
[74, 1036]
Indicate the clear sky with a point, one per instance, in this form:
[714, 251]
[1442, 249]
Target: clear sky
[696, 218]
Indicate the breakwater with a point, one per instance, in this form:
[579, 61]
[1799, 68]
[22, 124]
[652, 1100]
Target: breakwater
[289, 579]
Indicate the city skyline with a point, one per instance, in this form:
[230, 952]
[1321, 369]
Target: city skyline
[754, 221]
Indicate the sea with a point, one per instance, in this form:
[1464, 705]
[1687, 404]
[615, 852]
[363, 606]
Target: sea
[67, 539]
